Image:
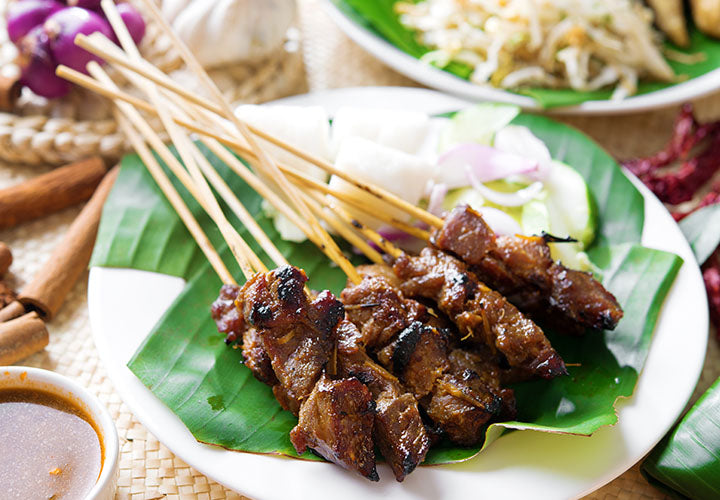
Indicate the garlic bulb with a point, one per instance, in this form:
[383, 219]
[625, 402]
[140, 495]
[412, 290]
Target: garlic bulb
[223, 32]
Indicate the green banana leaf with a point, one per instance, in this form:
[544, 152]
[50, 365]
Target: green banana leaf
[702, 230]
[686, 463]
[379, 17]
[186, 364]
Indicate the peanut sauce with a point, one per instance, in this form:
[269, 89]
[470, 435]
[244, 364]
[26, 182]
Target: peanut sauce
[49, 448]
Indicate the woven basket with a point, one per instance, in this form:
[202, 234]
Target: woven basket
[42, 132]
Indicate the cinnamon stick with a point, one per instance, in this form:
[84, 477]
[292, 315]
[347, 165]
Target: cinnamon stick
[11, 311]
[60, 188]
[21, 337]
[10, 89]
[48, 289]
[6, 258]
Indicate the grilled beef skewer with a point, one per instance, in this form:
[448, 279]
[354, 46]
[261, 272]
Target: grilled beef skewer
[482, 316]
[458, 401]
[399, 430]
[522, 269]
[289, 342]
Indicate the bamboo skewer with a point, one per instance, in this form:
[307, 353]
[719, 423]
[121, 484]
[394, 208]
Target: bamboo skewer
[207, 200]
[235, 164]
[311, 183]
[246, 258]
[145, 130]
[244, 150]
[200, 168]
[372, 235]
[175, 199]
[164, 81]
[267, 163]
[344, 230]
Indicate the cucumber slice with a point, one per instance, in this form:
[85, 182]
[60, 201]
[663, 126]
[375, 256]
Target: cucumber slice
[572, 256]
[571, 211]
[460, 196]
[476, 124]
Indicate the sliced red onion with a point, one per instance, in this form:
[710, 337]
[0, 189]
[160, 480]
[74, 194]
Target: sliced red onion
[487, 164]
[38, 65]
[391, 233]
[515, 199]
[133, 20]
[499, 221]
[435, 201]
[62, 28]
[22, 16]
[519, 140]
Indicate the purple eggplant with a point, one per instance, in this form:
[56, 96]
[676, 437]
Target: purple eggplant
[24, 15]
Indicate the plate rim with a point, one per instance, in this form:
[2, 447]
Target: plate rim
[95, 305]
[436, 78]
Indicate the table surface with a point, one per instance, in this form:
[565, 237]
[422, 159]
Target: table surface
[148, 470]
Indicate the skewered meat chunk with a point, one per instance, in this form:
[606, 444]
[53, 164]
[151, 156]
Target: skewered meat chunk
[289, 342]
[377, 307]
[227, 316]
[522, 269]
[582, 299]
[481, 364]
[256, 359]
[458, 400]
[482, 315]
[399, 430]
[336, 420]
[297, 335]
[419, 357]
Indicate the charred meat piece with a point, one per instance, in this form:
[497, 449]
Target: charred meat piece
[377, 307]
[227, 316]
[481, 367]
[421, 360]
[256, 358]
[482, 315]
[466, 234]
[582, 299]
[522, 269]
[297, 335]
[399, 431]
[336, 421]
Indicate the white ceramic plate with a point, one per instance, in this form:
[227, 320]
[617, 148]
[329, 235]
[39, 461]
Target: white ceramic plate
[447, 82]
[125, 304]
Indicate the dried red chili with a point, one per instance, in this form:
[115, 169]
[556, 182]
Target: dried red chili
[711, 276]
[697, 146]
[710, 199]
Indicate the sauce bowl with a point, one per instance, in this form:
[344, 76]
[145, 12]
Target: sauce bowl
[20, 377]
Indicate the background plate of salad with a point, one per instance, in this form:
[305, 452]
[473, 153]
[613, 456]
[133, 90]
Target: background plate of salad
[694, 70]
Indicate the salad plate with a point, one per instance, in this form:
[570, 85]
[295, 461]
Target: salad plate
[125, 305]
[364, 35]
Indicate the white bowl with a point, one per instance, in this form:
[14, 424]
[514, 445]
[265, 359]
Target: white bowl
[22, 377]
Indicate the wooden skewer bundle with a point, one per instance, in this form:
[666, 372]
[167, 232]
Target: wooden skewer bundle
[303, 200]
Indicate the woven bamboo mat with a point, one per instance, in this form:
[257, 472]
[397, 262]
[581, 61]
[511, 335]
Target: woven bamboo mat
[148, 470]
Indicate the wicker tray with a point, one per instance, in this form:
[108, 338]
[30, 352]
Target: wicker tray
[42, 132]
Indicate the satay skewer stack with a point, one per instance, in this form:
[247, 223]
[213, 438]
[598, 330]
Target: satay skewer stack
[379, 367]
